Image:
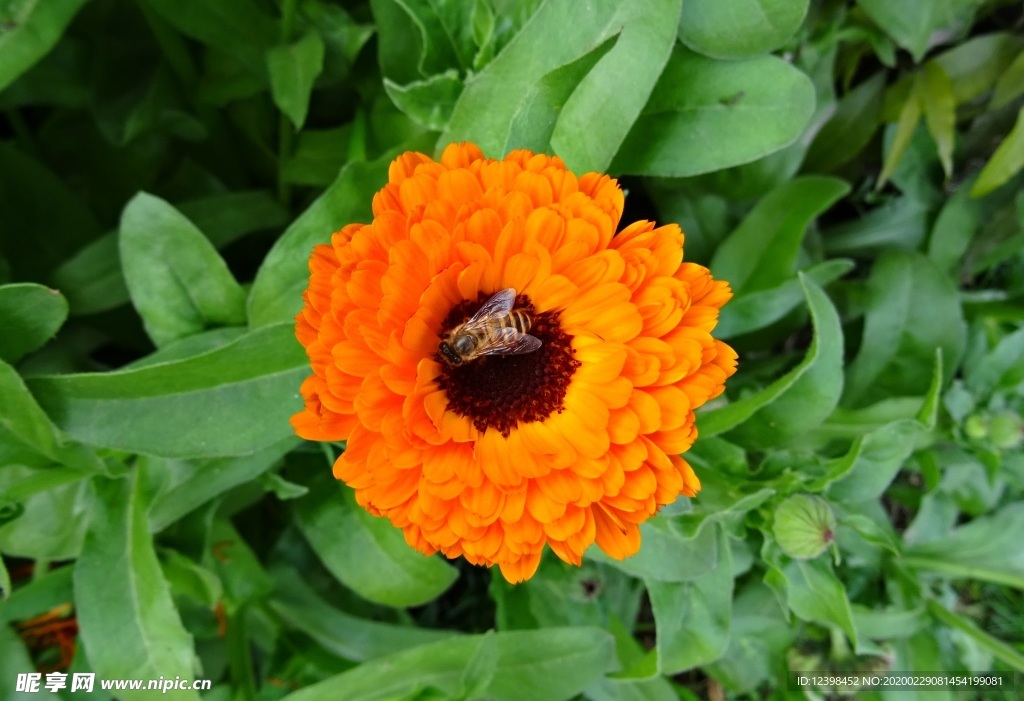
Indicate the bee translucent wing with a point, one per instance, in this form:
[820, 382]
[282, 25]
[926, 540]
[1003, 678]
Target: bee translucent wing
[509, 341]
[498, 305]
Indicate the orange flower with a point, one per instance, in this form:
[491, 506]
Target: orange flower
[571, 444]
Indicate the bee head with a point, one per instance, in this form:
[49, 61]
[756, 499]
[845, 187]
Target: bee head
[449, 354]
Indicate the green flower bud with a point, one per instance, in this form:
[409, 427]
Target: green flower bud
[1006, 430]
[804, 526]
[976, 427]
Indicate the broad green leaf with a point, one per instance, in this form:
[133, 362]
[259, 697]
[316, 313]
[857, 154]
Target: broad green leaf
[796, 402]
[126, 617]
[873, 462]
[14, 660]
[537, 115]
[190, 484]
[30, 315]
[975, 65]
[693, 618]
[226, 217]
[939, 106]
[1004, 651]
[35, 533]
[739, 28]
[356, 639]
[762, 308]
[762, 252]
[667, 555]
[25, 430]
[557, 34]
[276, 294]
[293, 69]
[912, 309]
[319, 155]
[92, 279]
[154, 410]
[954, 228]
[429, 101]
[421, 38]
[856, 119]
[812, 589]
[629, 71]
[902, 222]
[239, 28]
[29, 31]
[760, 637]
[1006, 162]
[988, 548]
[887, 623]
[1010, 85]
[188, 578]
[44, 221]
[912, 23]
[366, 553]
[746, 109]
[177, 281]
[542, 665]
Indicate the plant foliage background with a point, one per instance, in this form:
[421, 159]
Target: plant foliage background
[852, 168]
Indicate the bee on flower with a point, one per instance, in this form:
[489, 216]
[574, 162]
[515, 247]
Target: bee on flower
[509, 372]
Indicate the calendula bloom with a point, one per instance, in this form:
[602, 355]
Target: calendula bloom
[574, 443]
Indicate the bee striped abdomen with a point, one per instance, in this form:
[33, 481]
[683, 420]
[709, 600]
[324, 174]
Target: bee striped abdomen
[518, 319]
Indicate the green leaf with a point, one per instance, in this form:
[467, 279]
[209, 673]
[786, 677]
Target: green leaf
[488, 104]
[912, 23]
[746, 109]
[666, 555]
[14, 660]
[1010, 85]
[1002, 367]
[239, 28]
[429, 101]
[293, 70]
[276, 294]
[177, 281]
[5, 582]
[188, 578]
[739, 28]
[757, 310]
[541, 665]
[28, 30]
[228, 216]
[975, 65]
[25, 430]
[939, 106]
[912, 309]
[127, 620]
[30, 315]
[154, 409]
[1005, 162]
[629, 71]
[954, 228]
[901, 222]
[856, 119]
[898, 138]
[988, 548]
[189, 484]
[762, 252]
[366, 553]
[813, 592]
[537, 115]
[45, 592]
[92, 279]
[1003, 651]
[872, 462]
[796, 402]
[39, 494]
[693, 618]
[356, 639]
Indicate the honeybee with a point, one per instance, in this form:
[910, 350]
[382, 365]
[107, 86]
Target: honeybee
[497, 329]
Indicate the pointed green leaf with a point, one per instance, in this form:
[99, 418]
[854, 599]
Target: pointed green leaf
[1005, 162]
[739, 28]
[126, 617]
[154, 409]
[28, 30]
[366, 553]
[850, 128]
[178, 282]
[939, 107]
[429, 101]
[293, 70]
[30, 315]
[699, 102]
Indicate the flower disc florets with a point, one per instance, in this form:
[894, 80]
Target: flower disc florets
[575, 443]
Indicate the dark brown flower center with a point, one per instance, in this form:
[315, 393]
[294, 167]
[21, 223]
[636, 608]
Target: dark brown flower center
[500, 391]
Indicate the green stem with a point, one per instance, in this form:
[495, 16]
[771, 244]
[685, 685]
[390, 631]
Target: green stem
[239, 659]
[997, 647]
